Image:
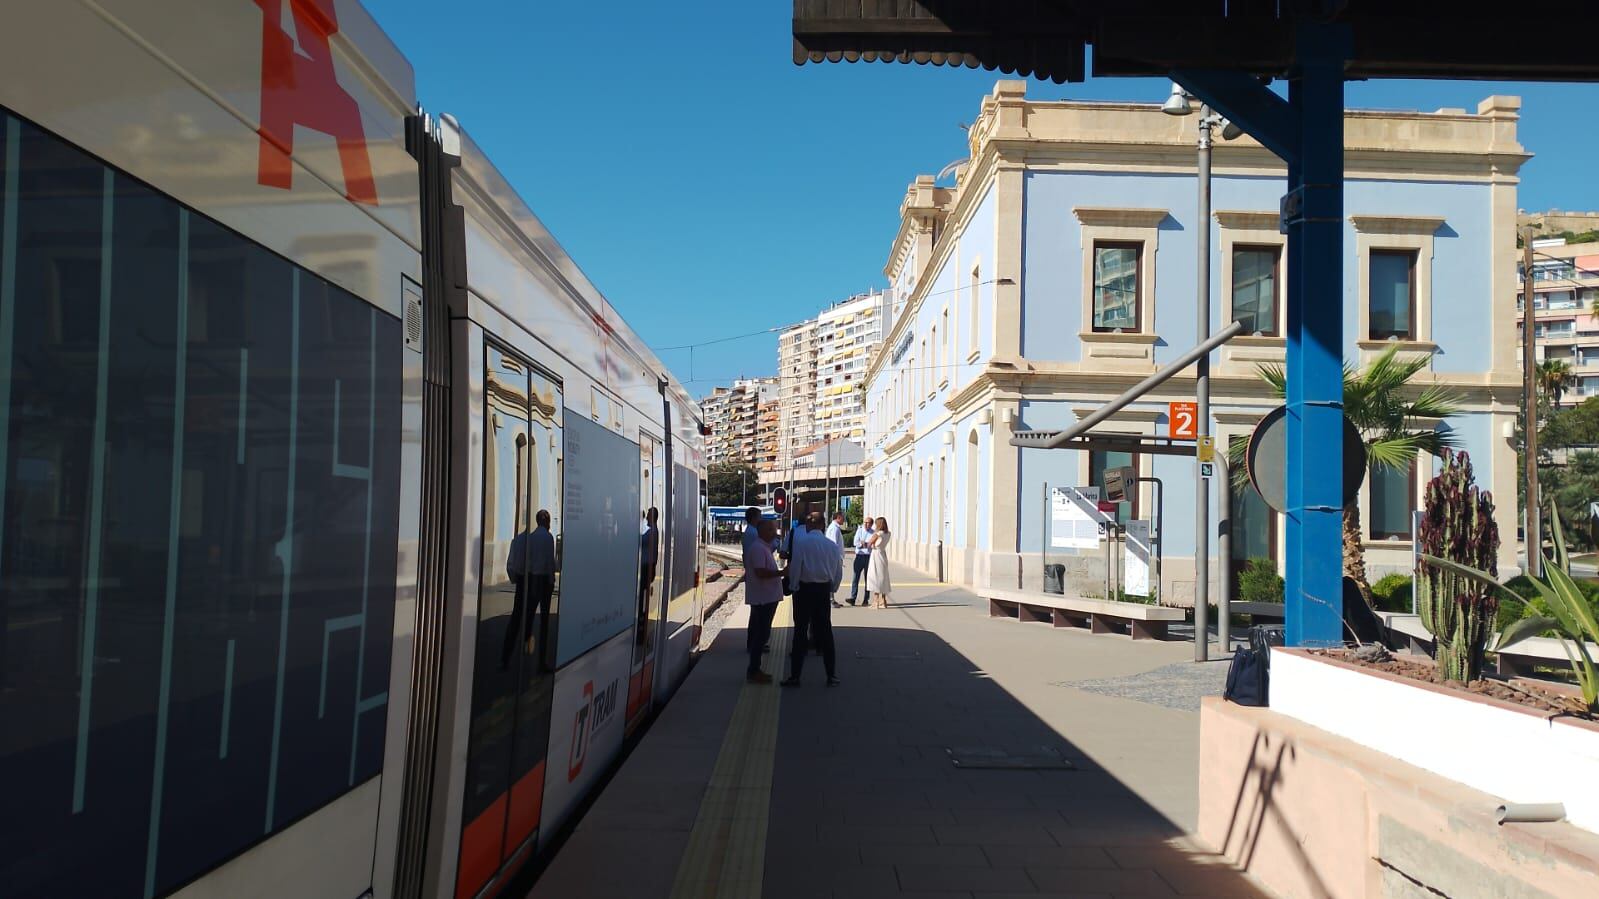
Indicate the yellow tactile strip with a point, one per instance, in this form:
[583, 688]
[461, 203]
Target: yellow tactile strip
[726, 853]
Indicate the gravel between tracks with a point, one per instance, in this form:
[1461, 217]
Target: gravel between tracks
[719, 615]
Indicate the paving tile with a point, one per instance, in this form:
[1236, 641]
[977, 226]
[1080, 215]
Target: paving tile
[1013, 817]
[1216, 880]
[1048, 856]
[962, 878]
[1101, 880]
[969, 856]
[798, 878]
[974, 835]
[876, 816]
[886, 834]
[1045, 895]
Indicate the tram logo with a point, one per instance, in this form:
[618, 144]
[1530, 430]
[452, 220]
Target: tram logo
[298, 87]
[594, 713]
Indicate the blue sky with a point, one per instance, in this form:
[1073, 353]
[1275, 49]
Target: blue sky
[710, 187]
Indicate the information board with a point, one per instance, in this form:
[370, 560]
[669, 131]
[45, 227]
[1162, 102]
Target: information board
[1074, 518]
[1135, 561]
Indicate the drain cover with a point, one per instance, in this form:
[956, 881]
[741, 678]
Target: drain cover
[1041, 758]
[891, 657]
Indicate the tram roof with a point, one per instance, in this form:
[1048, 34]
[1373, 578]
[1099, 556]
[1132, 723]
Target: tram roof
[1049, 39]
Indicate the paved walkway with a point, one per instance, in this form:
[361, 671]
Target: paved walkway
[852, 791]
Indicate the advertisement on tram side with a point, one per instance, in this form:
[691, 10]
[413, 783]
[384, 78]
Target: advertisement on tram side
[585, 726]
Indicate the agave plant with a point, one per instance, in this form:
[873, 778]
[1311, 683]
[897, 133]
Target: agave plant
[1572, 620]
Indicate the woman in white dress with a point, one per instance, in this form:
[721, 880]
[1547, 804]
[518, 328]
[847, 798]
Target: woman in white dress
[877, 582]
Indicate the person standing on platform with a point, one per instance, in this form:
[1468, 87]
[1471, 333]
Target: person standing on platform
[863, 558]
[752, 527]
[877, 573]
[816, 571]
[763, 590]
[835, 533]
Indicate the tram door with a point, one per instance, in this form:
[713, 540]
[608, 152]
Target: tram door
[513, 668]
[650, 614]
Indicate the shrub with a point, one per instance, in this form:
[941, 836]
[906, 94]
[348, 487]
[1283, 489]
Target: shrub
[1534, 604]
[1392, 592]
[1259, 582]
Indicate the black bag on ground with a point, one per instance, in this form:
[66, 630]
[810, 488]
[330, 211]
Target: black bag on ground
[1246, 678]
[1055, 579]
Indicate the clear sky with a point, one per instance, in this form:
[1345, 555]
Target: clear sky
[709, 187]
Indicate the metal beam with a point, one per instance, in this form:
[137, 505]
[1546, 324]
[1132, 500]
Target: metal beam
[1115, 443]
[1058, 439]
[1249, 104]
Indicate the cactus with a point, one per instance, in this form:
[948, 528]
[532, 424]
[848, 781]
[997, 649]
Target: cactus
[1458, 525]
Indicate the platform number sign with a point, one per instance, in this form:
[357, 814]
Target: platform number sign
[1183, 420]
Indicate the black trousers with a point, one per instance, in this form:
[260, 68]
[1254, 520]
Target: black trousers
[813, 620]
[520, 629]
[862, 560]
[760, 630]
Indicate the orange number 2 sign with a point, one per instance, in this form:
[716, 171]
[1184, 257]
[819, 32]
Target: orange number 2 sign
[1183, 420]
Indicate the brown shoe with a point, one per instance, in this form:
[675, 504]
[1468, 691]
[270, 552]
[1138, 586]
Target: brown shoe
[758, 677]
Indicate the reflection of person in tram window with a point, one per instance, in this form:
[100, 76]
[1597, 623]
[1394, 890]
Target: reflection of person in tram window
[649, 555]
[531, 567]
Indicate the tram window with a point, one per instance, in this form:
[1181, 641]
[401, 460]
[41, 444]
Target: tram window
[196, 587]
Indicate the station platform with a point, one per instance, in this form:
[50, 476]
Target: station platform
[962, 756]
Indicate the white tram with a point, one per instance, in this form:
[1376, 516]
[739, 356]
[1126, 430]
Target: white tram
[346, 531]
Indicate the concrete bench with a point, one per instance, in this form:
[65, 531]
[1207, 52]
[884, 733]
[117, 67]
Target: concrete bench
[1101, 616]
[1516, 660]
[1272, 610]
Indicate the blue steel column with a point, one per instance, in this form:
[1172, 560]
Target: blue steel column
[1315, 344]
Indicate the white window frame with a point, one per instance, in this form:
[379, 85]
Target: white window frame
[1112, 350]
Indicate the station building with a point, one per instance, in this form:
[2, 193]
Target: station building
[1059, 270]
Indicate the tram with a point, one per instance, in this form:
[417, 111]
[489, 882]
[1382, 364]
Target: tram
[346, 530]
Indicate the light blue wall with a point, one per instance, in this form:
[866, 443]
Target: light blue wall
[1052, 256]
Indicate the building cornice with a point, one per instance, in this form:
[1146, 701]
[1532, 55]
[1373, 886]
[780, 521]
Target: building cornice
[1248, 220]
[1396, 224]
[1117, 217]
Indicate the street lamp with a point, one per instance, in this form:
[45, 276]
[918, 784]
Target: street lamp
[1179, 104]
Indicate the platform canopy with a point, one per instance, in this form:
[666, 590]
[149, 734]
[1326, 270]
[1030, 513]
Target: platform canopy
[1048, 39]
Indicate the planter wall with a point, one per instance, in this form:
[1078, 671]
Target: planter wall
[1317, 816]
[1517, 754]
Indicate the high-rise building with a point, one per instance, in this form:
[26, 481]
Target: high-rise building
[796, 392]
[846, 335]
[733, 415]
[1565, 283]
[821, 369]
[766, 429]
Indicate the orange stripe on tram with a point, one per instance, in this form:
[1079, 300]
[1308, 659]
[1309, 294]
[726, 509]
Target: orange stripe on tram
[527, 802]
[480, 849]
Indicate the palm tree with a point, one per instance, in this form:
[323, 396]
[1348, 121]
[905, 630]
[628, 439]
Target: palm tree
[1555, 378]
[1394, 418]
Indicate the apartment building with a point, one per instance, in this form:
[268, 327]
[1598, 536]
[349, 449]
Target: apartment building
[733, 415]
[1058, 271]
[1565, 283]
[847, 334]
[796, 391]
[767, 432]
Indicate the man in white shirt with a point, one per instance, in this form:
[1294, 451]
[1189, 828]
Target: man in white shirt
[814, 569]
[763, 590]
[835, 533]
[863, 559]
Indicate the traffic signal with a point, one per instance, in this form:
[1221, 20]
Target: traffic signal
[780, 502]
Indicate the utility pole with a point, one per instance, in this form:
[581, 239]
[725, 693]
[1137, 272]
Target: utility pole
[1202, 396]
[1529, 385]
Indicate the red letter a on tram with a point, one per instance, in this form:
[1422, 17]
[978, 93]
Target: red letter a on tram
[298, 87]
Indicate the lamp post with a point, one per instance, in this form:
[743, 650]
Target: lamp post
[1178, 104]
